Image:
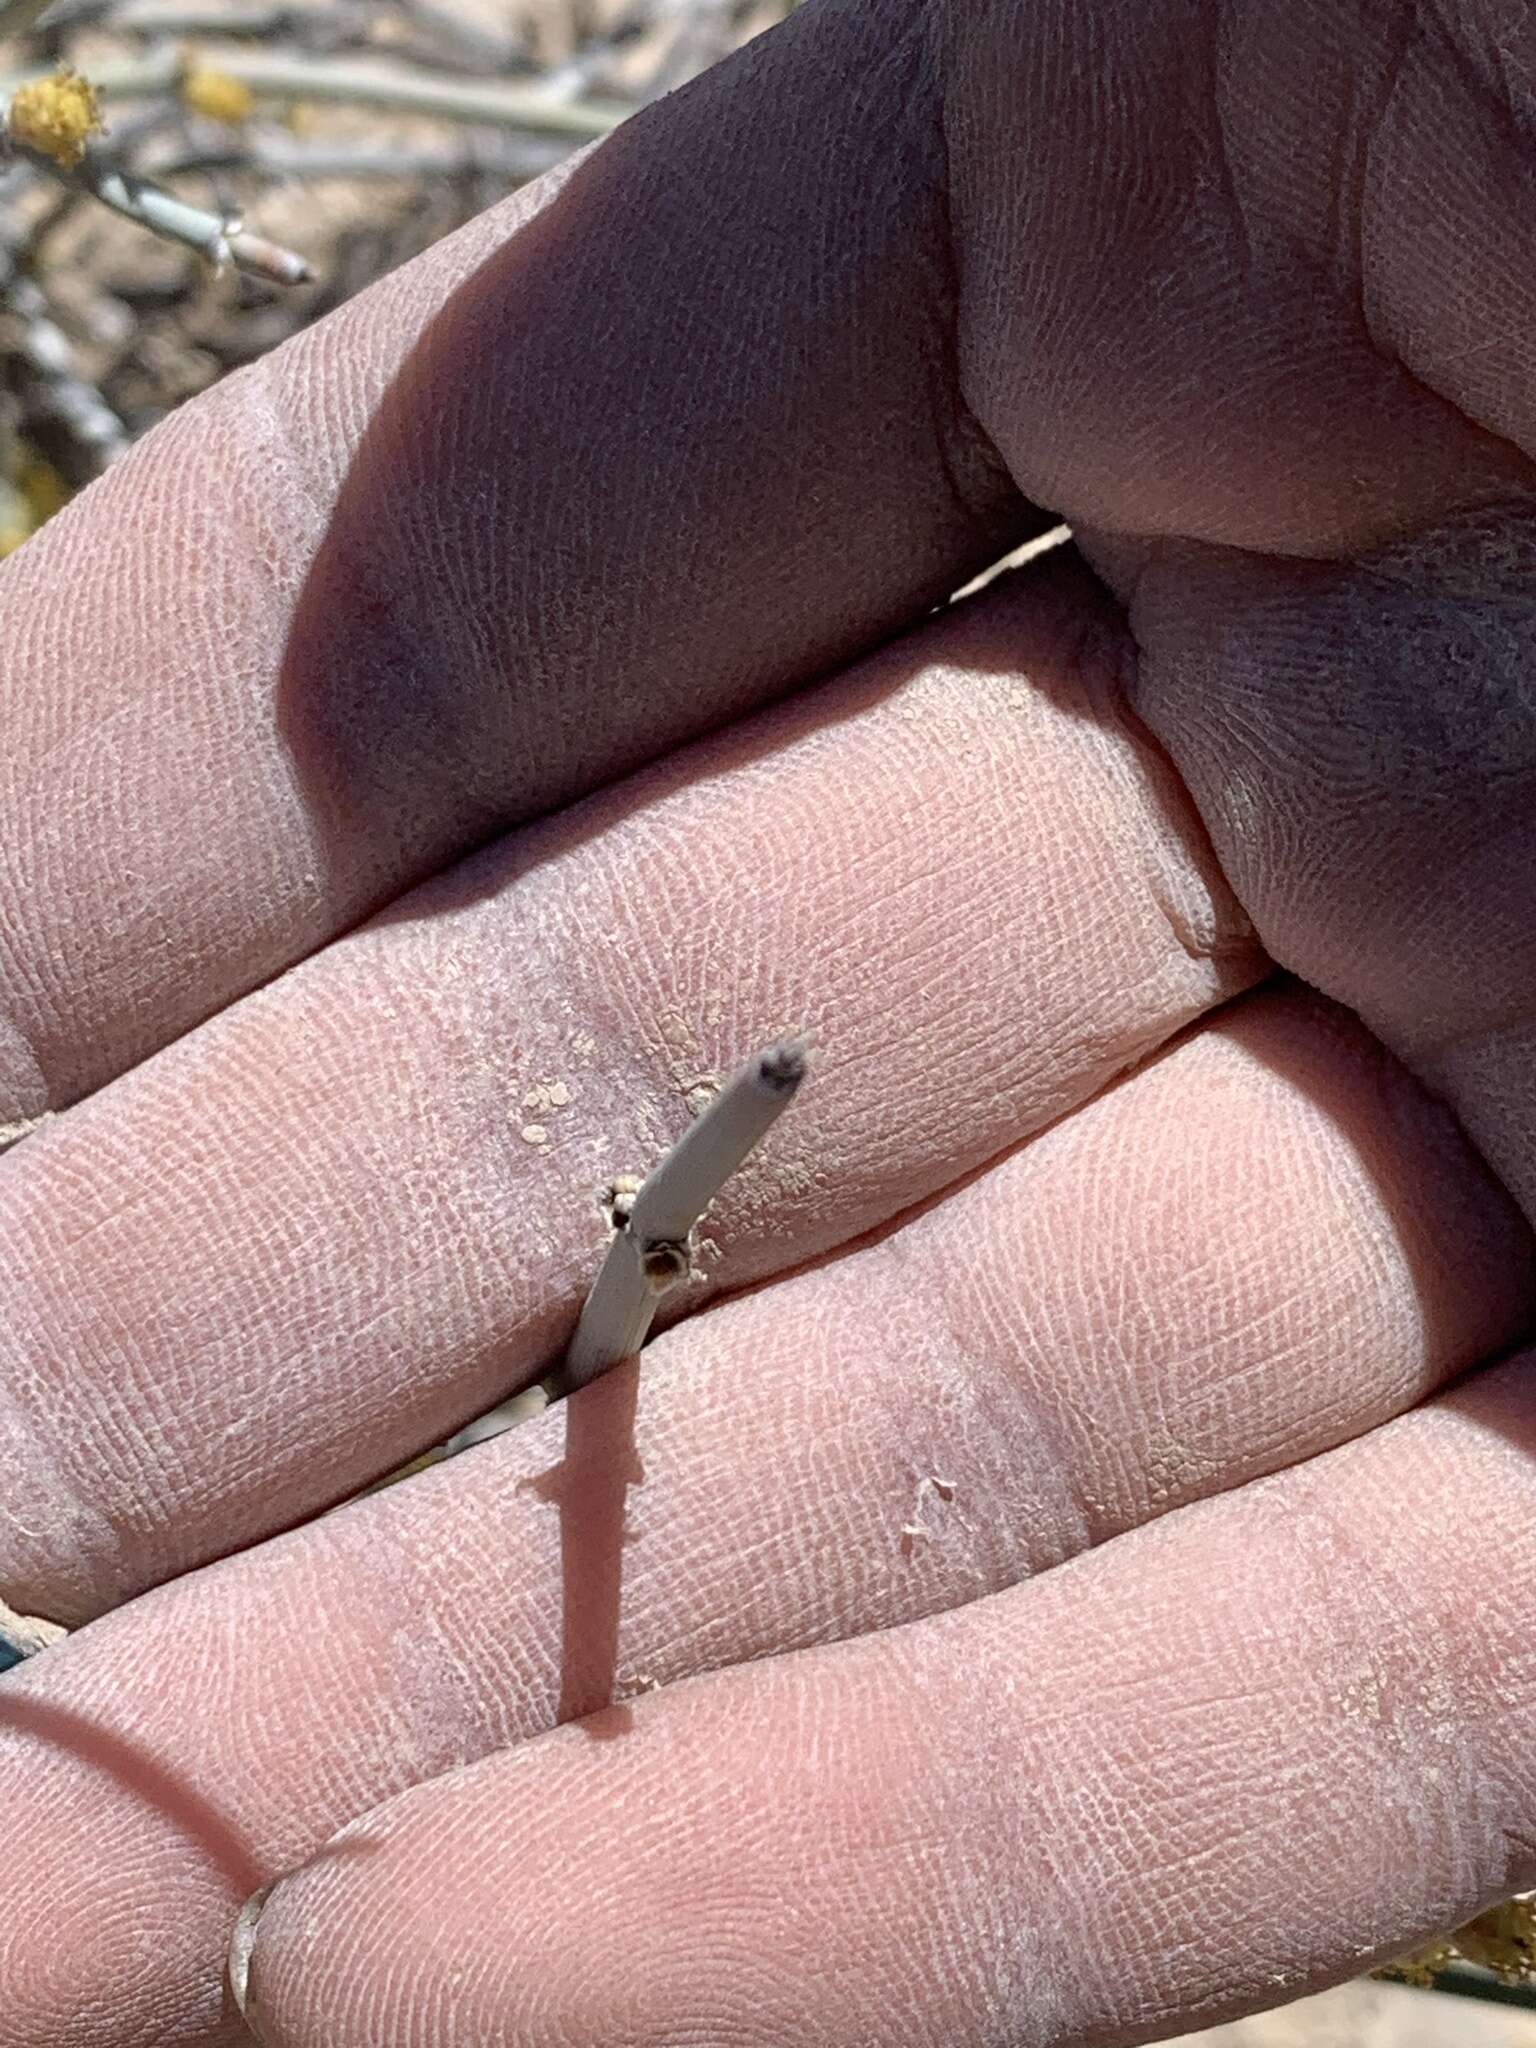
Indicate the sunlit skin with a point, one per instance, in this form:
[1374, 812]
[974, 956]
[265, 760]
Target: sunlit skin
[1065, 1572]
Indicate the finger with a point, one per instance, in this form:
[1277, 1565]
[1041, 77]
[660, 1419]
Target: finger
[433, 596]
[358, 1208]
[1360, 737]
[1362, 744]
[654, 441]
[1262, 1242]
[1226, 1760]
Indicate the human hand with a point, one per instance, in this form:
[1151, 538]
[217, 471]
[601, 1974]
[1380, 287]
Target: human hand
[1056, 1633]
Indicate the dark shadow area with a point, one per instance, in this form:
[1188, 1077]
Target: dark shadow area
[501, 864]
[653, 463]
[1394, 1127]
[590, 1487]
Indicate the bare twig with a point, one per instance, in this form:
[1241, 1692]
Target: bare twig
[212, 235]
[329, 25]
[71, 14]
[336, 81]
[326, 22]
[127, 138]
[256, 256]
[650, 1250]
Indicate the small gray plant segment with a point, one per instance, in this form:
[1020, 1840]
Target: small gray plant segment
[653, 1223]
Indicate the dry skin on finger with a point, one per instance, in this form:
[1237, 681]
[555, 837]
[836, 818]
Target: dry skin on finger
[1261, 1243]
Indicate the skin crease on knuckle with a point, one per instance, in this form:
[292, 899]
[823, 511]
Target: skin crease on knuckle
[1367, 770]
[810, 1461]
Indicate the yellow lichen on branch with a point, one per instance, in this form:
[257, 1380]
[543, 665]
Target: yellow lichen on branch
[1502, 1940]
[217, 96]
[56, 116]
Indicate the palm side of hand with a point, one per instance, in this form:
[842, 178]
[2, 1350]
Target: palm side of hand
[276, 1256]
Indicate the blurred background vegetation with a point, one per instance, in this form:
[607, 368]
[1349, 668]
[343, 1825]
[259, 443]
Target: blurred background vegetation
[345, 134]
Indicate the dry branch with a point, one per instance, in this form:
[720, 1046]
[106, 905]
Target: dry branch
[352, 82]
[650, 1249]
